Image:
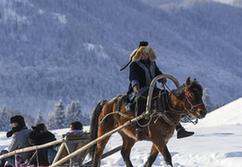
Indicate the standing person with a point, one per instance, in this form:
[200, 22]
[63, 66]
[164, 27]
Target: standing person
[40, 135]
[142, 70]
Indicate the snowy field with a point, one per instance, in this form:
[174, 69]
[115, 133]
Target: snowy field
[217, 143]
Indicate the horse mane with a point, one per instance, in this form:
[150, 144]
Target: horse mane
[177, 92]
[194, 85]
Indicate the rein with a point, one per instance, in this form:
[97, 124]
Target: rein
[192, 106]
[114, 113]
[172, 110]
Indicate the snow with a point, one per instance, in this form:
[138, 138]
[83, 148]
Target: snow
[10, 14]
[40, 11]
[61, 18]
[237, 3]
[164, 4]
[213, 145]
[229, 114]
[97, 49]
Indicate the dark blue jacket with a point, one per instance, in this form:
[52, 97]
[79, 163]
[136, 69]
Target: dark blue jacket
[142, 73]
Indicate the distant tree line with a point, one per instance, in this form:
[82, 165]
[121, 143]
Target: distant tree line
[60, 117]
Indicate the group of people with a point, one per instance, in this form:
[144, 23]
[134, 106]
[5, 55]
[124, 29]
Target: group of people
[24, 137]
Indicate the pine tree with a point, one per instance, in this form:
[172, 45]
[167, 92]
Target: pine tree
[74, 113]
[4, 119]
[57, 118]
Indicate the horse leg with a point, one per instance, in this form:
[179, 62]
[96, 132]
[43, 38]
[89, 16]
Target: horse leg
[161, 146]
[103, 129]
[99, 151]
[128, 143]
[153, 154]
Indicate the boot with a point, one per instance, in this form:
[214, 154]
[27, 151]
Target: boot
[181, 132]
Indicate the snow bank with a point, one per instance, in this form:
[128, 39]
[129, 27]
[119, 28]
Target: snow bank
[230, 114]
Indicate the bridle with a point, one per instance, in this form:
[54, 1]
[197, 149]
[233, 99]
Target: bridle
[190, 109]
[193, 107]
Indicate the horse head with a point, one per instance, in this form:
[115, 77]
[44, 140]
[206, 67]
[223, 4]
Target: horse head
[193, 104]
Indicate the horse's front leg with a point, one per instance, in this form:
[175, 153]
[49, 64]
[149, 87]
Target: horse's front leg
[103, 129]
[162, 148]
[128, 143]
[151, 159]
[99, 151]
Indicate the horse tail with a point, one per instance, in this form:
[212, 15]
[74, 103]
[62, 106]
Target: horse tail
[94, 126]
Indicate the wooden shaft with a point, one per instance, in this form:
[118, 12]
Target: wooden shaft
[87, 146]
[61, 148]
[31, 148]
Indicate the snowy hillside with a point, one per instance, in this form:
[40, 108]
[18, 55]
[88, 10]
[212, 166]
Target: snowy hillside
[54, 49]
[230, 114]
[213, 145]
[162, 3]
[237, 3]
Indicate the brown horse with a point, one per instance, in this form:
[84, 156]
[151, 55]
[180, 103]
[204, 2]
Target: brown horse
[188, 101]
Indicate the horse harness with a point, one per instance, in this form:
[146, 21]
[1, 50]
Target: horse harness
[160, 108]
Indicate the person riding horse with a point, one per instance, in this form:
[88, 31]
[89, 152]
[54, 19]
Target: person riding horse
[111, 116]
[142, 70]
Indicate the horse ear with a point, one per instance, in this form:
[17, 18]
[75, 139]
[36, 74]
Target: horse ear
[188, 82]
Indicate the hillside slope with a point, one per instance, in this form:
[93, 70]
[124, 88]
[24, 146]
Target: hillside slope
[53, 50]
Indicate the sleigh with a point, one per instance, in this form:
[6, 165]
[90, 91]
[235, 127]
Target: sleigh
[62, 148]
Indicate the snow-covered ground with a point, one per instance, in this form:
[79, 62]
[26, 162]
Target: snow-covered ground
[217, 143]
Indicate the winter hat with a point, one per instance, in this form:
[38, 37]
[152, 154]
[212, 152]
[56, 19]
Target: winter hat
[141, 44]
[20, 124]
[144, 49]
[76, 125]
[18, 119]
[39, 127]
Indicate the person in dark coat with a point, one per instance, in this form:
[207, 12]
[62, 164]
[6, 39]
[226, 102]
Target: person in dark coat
[40, 135]
[142, 71]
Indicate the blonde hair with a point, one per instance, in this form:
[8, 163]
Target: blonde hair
[143, 49]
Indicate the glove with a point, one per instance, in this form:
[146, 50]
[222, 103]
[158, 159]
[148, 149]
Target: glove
[136, 89]
[134, 93]
[9, 134]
